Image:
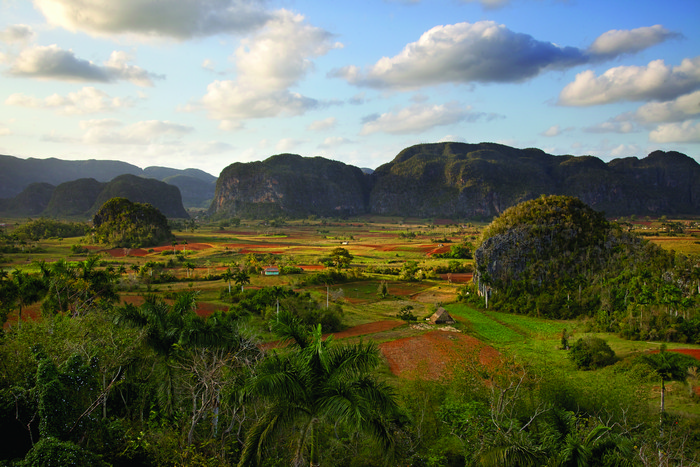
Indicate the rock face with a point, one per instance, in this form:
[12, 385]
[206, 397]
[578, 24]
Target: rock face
[291, 185]
[458, 180]
[482, 180]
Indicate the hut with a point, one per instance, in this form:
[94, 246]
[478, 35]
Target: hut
[441, 316]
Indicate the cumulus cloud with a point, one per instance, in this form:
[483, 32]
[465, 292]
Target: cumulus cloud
[180, 20]
[52, 62]
[287, 144]
[555, 130]
[656, 81]
[418, 118]
[618, 42]
[612, 126]
[267, 65]
[325, 124]
[487, 52]
[87, 100]
[463, 53]
[17, 33]
[677, 110]
[333, 141]
[685, 132]
[110, 131]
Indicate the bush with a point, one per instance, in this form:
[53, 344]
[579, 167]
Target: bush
[589, 353]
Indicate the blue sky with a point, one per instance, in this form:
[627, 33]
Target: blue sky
[206, 83]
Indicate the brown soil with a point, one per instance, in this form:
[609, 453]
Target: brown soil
[434, 354]
[369, 328]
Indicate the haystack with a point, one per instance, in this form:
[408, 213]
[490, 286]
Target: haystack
[441, 316]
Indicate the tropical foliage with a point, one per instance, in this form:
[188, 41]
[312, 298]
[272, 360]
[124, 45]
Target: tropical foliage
[121, 223]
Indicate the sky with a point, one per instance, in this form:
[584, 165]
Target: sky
[207, 83]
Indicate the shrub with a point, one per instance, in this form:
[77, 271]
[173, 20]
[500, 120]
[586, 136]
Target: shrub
[589, 353]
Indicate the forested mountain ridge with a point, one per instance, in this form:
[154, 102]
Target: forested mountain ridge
[16, 174]
[459, 180]
[454, 180]
[288, 184]
[83, 197]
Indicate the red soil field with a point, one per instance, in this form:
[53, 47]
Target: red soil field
[434, 354]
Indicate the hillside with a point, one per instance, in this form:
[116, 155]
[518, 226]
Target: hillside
[458, 180]
[291, 185]
[82, 198]
[197, 187]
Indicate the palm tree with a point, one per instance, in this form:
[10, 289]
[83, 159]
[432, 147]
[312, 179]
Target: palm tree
[670, 366]
[228, 276]
[22, 290]
[314, 382]
[241, 278]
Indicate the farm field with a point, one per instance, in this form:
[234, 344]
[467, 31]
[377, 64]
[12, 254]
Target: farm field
[380, 248]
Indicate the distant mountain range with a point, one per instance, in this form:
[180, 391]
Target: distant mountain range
[196, 186]
[452, 180]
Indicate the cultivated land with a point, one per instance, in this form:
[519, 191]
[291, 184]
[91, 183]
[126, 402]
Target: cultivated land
[411, 350]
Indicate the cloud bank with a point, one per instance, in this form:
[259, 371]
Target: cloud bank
[487, 52]
[182, 19]
[52, 62]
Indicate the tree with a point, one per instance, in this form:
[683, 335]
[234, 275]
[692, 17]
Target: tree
[341, 257]
[315, 382]
[591, 352]
[241, 278]
[669, 366]
[228, 276]
[383, 289]
[21, 291]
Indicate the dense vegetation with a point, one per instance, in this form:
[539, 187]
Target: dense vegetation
[121, 223]
[555, 257]
[115, 360]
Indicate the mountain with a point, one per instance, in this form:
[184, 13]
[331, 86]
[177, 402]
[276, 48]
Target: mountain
[82, 198]
[197, 187]
[458, 180]
[288, 184]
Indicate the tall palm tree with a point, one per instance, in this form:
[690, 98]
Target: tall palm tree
[241, 278]
[315, 382]
[22, 290]
[228, 276]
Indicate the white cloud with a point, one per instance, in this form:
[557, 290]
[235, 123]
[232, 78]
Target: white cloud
[4, 131]
[613, 126]
[87, 100]
[17, 33]
[463, 53]
[618, 42]
[333, 141]
[110, 131]
[325, 124]
[418, 118]
[679, 109]
[287, 144]
[52, 62]
[180, 19]
[555, 130]
[656, 81]
[686, 132]
[268, 64]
